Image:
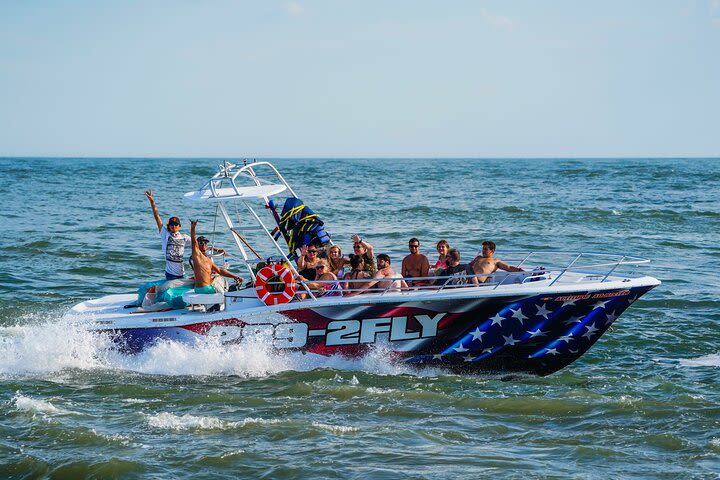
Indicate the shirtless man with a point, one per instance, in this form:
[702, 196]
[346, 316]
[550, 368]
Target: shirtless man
[416, 264]
[384, 271]
[204, 267]
[486, 263]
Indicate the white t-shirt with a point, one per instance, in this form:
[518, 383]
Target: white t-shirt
[173, 246]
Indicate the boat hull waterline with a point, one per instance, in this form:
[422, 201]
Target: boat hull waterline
[536, 334]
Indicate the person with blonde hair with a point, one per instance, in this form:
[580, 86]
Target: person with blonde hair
[325, 281]
[336, 261]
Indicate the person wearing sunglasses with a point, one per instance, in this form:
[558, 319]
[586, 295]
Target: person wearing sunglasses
[415, 264]
[307, 261]
[173, 242]
[365, 250]
[330, 286]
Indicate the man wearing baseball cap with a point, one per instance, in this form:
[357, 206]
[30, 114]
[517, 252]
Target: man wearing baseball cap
[173, 242]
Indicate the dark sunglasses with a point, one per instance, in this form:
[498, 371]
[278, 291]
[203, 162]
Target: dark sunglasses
[319, 267]
[312, 251]
[173, 224]
[414, 246]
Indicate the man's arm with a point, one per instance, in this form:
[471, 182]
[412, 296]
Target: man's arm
[158, 219]
[193, 239]
[225, 273]
[508, 268]
[424, 267]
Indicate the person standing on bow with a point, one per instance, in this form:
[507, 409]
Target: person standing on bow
[173, 242]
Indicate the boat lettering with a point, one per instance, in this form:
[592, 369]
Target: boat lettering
[338, 332]
[570, 298]
[343, 332]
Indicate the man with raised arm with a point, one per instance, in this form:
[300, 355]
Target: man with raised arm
[173, 242]
[204, 267]
[486, 263]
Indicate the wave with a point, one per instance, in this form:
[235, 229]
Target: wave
[712, 360]
[169, 421]
[34, 405]
[45, 348]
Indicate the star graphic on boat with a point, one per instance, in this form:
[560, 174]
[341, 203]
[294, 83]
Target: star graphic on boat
[477, 334]
[518, 314]
[591, 330]
[469, 358]
[568, 302]
[572, 320]
[542, 311]
[497, 319]
[510, 340]
[566, 338]
[536, 333]
[437, 356]
[601, 304]
[552, 351]
[487, 350]
[611, 317]
[632, 299]
[572, 351]
[460, 349]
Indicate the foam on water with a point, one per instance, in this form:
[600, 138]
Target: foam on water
[170, 421]
[712, 360]
[35, 405]
[40, 349]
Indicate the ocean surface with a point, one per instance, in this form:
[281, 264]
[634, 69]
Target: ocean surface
[644, 402]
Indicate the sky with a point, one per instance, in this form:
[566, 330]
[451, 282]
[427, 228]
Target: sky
[336, 78]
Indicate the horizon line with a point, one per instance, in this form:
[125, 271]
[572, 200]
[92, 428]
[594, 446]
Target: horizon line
[78, 157]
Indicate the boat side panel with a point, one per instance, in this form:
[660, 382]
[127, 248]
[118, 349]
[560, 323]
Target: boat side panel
[536, 334]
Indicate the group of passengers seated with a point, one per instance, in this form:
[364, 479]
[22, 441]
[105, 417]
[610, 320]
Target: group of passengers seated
[328, 272]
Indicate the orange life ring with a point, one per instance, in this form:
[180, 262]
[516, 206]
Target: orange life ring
[275, 298]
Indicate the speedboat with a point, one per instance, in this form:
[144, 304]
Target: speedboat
[536, 321]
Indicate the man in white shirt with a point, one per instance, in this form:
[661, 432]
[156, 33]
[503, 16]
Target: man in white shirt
[173, 242]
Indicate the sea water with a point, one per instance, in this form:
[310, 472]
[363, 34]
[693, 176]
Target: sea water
[643, 402]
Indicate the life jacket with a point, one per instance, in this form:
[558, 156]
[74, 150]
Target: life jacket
[300, 226]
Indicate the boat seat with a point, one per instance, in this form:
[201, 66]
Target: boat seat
[192, 298]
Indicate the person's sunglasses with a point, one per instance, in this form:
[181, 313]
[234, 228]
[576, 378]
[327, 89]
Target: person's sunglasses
[173, 224]
[357, 246]
[320, 267]
[312, 251]
[414, 246]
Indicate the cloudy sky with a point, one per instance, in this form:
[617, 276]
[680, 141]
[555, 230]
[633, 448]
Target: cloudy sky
[335, 78]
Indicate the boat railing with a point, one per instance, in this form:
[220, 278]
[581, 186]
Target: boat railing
[579, 262]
